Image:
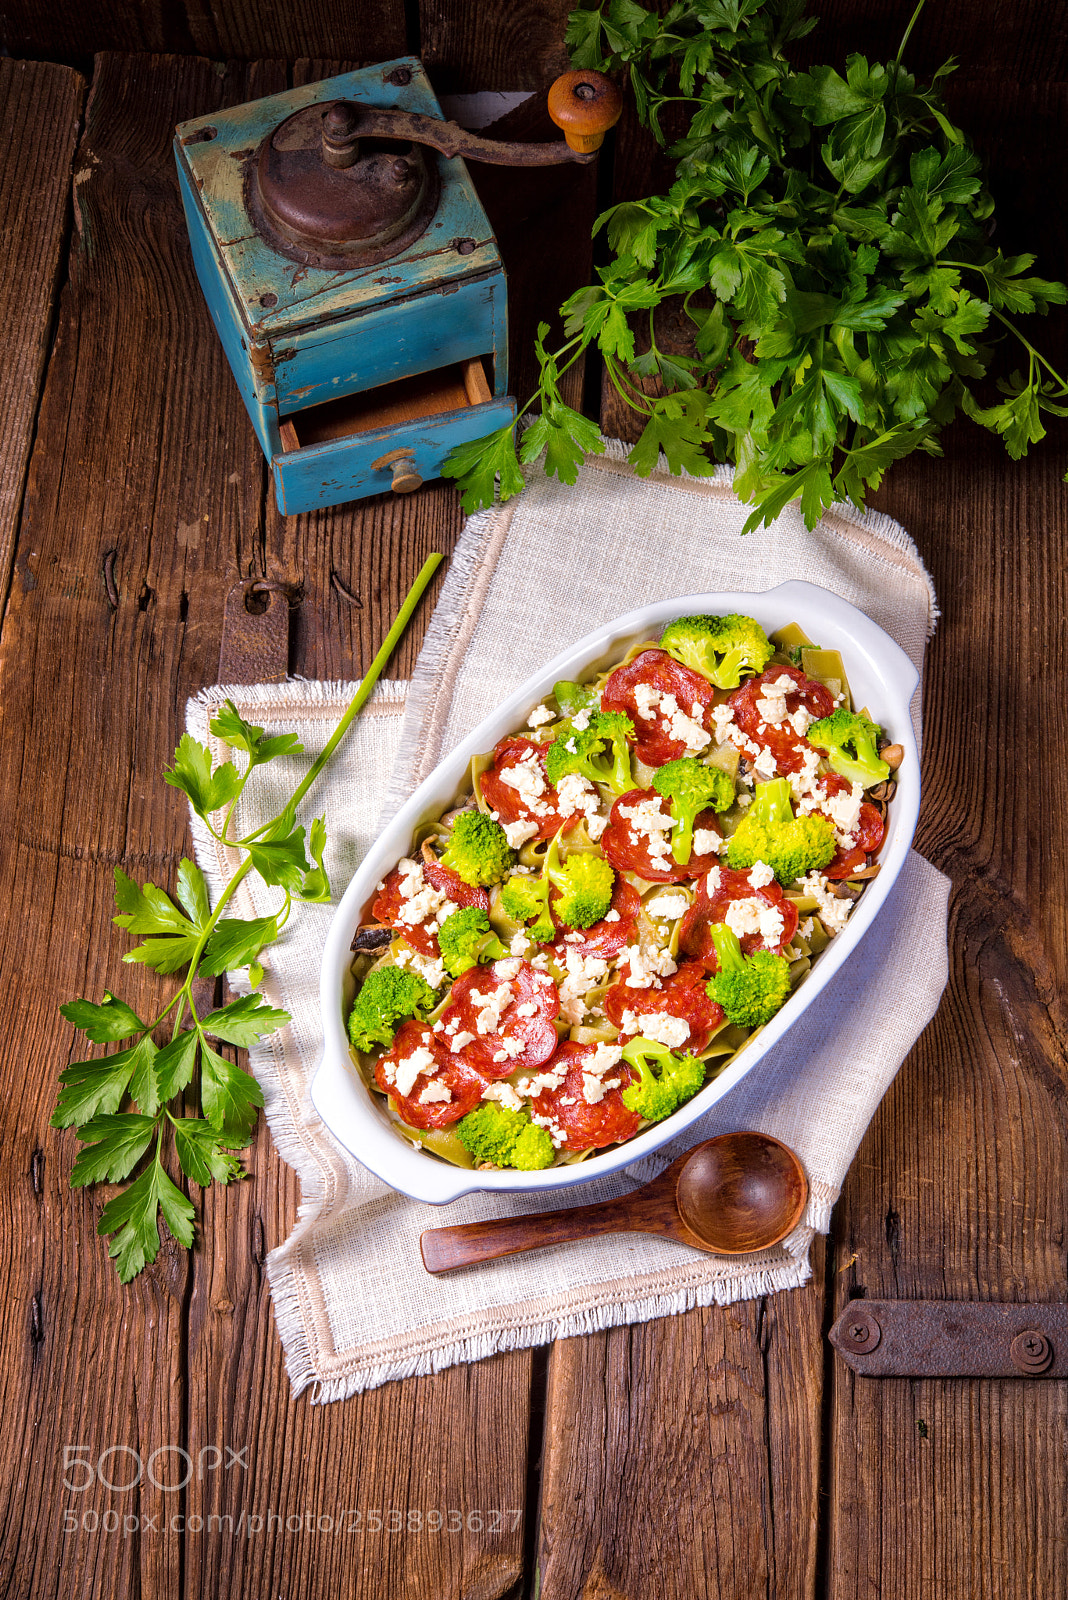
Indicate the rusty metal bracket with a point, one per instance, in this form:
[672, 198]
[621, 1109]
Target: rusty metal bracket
[255, 635]
[952, 1339]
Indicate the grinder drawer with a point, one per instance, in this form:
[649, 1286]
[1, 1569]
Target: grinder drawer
[393, 437]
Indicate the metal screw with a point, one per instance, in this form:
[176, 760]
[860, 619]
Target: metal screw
[584, 91]
[268, 300]
[863, 1332]
[1031, 1351]
[400, 77]
[465, 247]
[400, 170]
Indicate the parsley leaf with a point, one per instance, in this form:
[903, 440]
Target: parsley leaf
[208, 789]
[244, 1020]
[230, 1096]
[132, 1217]
[117, 1144]
[203, 1152]
[112, 1019]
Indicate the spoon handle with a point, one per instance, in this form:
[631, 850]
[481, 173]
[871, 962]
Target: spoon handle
[469, 1242]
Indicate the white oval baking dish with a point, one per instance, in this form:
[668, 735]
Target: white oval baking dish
[881, 677]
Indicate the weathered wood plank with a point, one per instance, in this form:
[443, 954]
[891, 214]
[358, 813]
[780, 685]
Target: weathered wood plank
[405, 1448]
[682, 1456]
[248, 30]
[959, 1190]
[467, 48]
[40, 105]
[133, 447]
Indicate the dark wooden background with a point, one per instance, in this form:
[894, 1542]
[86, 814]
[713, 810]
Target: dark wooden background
[724, 1452]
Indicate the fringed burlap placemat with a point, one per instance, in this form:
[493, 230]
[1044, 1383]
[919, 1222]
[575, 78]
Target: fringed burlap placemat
[354, 1305]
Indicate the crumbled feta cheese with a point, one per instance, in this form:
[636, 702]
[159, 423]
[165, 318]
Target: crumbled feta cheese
[489, 1007]
[528, 780]
[844, 811]
[611, 916]
[582, 721]
[650, 821]
[595, 1085]
[755, 916]
[434, 1091]
[504, 1095]
[551, 1078]
[722, 719]
[539, 716]
[801, 721]
[712, 881]
[583, 974]
[764, 764]
[409, 1068]
[540, 961]
[668, 905]
[519, 943]
[507, 968]
[646, 968]
[760, 875]
[528, 1010]
[833, 913]
[433, 972]
[510, 1050]
[595, 826]
[459, 1040]
[578, 794]
[705, 840]
[688, 730]
[517, 833]
[659, 1025]
[556, 1133]
[646, 700]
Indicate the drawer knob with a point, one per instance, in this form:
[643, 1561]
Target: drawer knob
[402, 462]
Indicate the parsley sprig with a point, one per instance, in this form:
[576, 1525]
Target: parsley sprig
[99, 1095]
[828, 240]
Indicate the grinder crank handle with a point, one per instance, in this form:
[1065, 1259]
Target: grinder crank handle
[585, 105]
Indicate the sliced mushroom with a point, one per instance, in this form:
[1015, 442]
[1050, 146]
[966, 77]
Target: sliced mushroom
[371, 937]
[893, 755]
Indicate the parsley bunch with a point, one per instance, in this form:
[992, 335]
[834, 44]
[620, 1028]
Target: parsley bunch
[126, 1102]
[828, 240]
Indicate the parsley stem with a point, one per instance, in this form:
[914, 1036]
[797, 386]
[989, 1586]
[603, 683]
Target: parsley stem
[905, 36]
[359, 699]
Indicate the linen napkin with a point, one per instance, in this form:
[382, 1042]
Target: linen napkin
[354, 1306]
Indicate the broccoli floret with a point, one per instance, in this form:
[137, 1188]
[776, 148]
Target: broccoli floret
[599, 751]
[691, 786]
[585, 882]
[665, 1079]
[769, 832]
[722, 648]
[504, 1138]
[749, 988]
[526, 899]
[465, 937]
[478, 850]
[850, 744]
[575, 697]
[388, 996]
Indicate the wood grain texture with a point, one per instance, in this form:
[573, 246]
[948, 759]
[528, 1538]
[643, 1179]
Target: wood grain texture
[247, 30]
[40, 105]
[960, 1187]
[121, 475]
[516, 46]
[682, 1456]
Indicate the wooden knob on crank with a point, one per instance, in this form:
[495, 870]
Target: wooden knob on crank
[585, 105]
[402, 464]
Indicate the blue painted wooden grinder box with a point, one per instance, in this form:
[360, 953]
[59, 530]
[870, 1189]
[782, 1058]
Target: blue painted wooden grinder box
[352, 274]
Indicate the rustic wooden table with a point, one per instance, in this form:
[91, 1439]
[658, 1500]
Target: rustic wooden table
[724, 1452]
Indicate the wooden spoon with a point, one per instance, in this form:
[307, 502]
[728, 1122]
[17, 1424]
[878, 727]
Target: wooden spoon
[731, 1195]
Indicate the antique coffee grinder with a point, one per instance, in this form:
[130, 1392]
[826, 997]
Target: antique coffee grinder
[352, 275]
